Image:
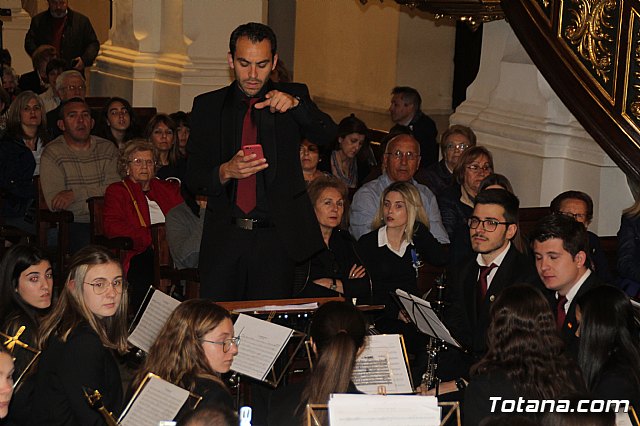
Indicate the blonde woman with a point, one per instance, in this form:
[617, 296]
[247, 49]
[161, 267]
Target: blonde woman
[78, 338]
[196, 346]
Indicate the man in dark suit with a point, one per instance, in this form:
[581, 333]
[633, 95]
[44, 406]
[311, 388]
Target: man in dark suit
[259, 220]
[405, 110]
[474, 284]
[560, 248]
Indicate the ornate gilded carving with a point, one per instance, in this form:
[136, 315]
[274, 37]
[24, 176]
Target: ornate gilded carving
[588, 30]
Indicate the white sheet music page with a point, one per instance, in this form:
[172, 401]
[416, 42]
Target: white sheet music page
[155, 315]
[261, 343]
[383, 410]
[158, 400]
[382, 363]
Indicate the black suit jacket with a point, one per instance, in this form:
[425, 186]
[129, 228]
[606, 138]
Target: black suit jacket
[461, 316]
[570, 325]
[214, 141]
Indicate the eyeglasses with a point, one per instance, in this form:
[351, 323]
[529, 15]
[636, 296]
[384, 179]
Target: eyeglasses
[577, 216]
[410, 156]
[457, 146]
[72, 88]
[476, 168]
[138, 162]
[488, 225]
[101, 286]
[226, 344]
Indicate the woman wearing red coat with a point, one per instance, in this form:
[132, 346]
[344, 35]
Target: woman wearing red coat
[132, 205]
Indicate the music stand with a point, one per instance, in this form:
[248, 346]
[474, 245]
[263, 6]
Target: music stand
[426, 321]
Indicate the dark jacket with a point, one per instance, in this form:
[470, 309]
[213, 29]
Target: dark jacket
[424, 129]
[16, 176]
[629, 248]
[213, 394]
[78, 37]
[31, 81]
[437, 177]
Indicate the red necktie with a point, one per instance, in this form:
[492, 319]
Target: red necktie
[483, 284]
[246, 195]
[561, 313]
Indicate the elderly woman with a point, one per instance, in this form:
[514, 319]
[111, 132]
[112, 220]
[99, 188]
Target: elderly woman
[335, 270]
[117, 122]
[20, 151]
[343, 162]
[133, 205]
[454, 141]
[162, 132]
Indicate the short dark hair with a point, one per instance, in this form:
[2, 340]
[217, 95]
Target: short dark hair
[496, 179]
[572, 233]
[571, 195]
[56, 64]
[254, 31]
[502, 198]
[409, 95]
[75, 100]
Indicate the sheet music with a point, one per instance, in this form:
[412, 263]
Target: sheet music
[383, 410]
[382, 363]
[153, 319]
[439, 330]
[281, 308]
[261, 343]
[158, 400]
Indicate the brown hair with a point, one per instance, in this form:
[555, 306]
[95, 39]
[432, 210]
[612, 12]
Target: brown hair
[468, 157]
[457, 129]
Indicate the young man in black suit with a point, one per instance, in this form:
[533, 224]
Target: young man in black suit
[560, 247]
[259, 220]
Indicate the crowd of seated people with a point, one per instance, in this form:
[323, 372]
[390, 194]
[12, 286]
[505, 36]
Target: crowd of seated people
[564, 321]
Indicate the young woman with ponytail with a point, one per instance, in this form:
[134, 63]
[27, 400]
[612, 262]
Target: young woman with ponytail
[337, 332]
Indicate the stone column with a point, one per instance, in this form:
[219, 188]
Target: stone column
[14, 29]
[164, 53]
[536, 142]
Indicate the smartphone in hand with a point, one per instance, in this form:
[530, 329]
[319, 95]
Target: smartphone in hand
[253, 149]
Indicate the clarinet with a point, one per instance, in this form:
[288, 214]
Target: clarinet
[429, 378]
[95, 401]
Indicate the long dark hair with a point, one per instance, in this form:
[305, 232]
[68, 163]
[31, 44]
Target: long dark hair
[608, 334]
[523, 342]
[104, 130]
[15, 261]
[338, 330]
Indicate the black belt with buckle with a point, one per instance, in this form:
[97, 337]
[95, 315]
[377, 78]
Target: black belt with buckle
[250, 224]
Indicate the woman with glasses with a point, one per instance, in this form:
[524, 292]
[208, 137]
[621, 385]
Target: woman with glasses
[453, 142]
[162, 133]
[456, 202]
[117, 122]
[78, 339]
[132, 205]
[394, 254]
[195, 347]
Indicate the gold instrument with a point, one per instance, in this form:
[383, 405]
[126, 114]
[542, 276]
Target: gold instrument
[95, 401]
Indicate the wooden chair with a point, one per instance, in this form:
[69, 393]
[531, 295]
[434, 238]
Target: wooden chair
[46, 220]
[165, 274]
[11, 234]
[118, 245]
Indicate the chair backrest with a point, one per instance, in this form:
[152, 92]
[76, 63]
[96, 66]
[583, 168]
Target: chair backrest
[96, 208]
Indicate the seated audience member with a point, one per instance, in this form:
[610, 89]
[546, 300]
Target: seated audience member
[183, 130]
[629, 244]
[184, 224]
[559, 245]
[394, 254]
[525, 356]
[406, 110]
[117, 122]
[579, 206]
[70, 84]
[6, 383]
[20, 152]
[36, 80]
[337, 269]
[453, 142]
[196, 345]
[342, 161]
[132, 206]
[609, 350]
[77, 339]
[25, 296]
[309, 159]
[161, 132]
[474, 284]
[51, 98]
[76, 166]
[337, 333]
[10, 81]
[401, 161]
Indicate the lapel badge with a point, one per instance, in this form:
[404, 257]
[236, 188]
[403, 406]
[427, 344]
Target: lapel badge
[492, 298]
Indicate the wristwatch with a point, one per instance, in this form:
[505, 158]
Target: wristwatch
[333, 285]
[461, 384]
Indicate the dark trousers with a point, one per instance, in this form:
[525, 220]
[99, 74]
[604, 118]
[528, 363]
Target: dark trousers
[245, 265]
